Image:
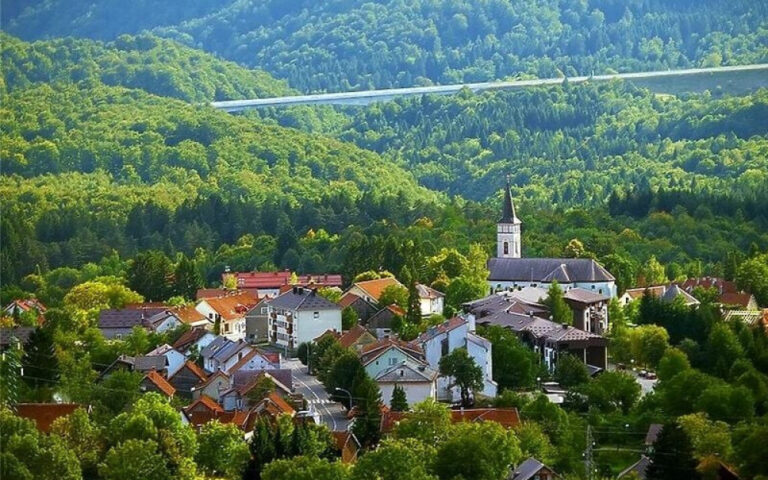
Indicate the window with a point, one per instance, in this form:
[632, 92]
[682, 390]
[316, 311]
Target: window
[506, 248]
[316, 314]
[119, 336]
[392, 361]
[444, 347]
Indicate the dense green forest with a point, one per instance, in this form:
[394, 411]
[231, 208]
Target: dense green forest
[354, 44]
[564, 145]
[89, 169]
[150, 63]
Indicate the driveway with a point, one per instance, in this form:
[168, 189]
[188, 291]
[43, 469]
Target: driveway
[331, 413]
[646, 385]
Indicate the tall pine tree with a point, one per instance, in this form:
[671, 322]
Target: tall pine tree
[672, 456]
[399, 402]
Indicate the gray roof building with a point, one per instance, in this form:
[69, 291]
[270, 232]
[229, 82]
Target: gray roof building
[532, 468]
[545, 270]
[302, 299]
[406, 373]
[19, 333]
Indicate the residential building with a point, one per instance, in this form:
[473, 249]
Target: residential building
[590, 310]
[217, 383]
[194, 341]
[174, 359]
[28, 306]
[729, 294]
[386, 353]
[186, 378]
[190, 316]
[532, 469]
[432, 302]
[508, 418]
[300, 315]
[667, 293]
[356, 338]
[257, 322]
[154, 382]
[240, 394]
[116, 324]
[205, 409]
[509, 270]
[417, 380]
[44, 414]
[348, 446]
[371, 290]
[381, 323]
[256, 360]
[229, 311]
[271, 283]
[361, 306]
[14, 335]
[443, 339]
[222, 353]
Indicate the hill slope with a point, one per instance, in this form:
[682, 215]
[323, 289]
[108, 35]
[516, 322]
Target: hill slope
[154, 64]
[356, 44]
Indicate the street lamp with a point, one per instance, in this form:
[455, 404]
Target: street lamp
[538, 382]
[348, 393]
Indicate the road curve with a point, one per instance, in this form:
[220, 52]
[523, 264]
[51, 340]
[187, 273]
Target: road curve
[370, 96]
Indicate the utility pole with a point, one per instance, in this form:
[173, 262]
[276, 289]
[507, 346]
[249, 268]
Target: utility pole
[588, 453]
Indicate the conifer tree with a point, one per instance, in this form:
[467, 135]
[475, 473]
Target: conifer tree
[399, 402]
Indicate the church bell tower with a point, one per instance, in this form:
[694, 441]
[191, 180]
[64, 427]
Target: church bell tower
[508, 229]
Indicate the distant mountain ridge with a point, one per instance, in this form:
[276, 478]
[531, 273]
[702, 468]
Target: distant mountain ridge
[343, 45]
[156, 65]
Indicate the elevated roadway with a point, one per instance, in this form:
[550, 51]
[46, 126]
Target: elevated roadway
[758, 76]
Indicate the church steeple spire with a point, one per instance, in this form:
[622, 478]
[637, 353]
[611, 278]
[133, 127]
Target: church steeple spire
[508, 241]
[508, 214]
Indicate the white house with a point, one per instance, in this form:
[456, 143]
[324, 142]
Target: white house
[222, 354]
[386, 353]
[418, 382]
[445, 338]
[175, 359]
[255, 360]
[431, 300]
[230, 311]
[300, 315]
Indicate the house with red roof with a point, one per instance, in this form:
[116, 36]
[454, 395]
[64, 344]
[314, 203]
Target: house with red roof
[271, 283]
[28, 306]
[508, 418]
[356, 338]
[44, 414]
[154, 382]
[229, 311]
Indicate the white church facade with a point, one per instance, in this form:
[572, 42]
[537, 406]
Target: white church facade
[509, 271]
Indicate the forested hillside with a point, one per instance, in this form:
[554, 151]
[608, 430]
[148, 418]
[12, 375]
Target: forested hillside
[568, 145]
[76, 161]
[355, 44]
[150, 63]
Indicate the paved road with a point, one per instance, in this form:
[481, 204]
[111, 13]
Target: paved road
[331, 413]
[370, 96]
[646, 385]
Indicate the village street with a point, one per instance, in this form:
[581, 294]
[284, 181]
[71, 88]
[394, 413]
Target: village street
[332, 414]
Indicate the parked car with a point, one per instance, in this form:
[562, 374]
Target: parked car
[643, 373]
[621, 366]
[650, 376]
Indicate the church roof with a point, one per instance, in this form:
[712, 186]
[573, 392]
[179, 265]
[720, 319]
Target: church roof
[564, 270]
[508, 214]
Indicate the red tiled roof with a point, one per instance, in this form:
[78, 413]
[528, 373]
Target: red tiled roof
[506, 417]
[160, 382]
[189, 337]
[376, 287]
[188, 314]
[396, 309]
[27, 304]
[280, 403]
[735, 298]
[373, 350]
[351, 337]
[332, 333]
[44, 414]
[281, 279]
[231, 307]
[207, 402]
[348, 299]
